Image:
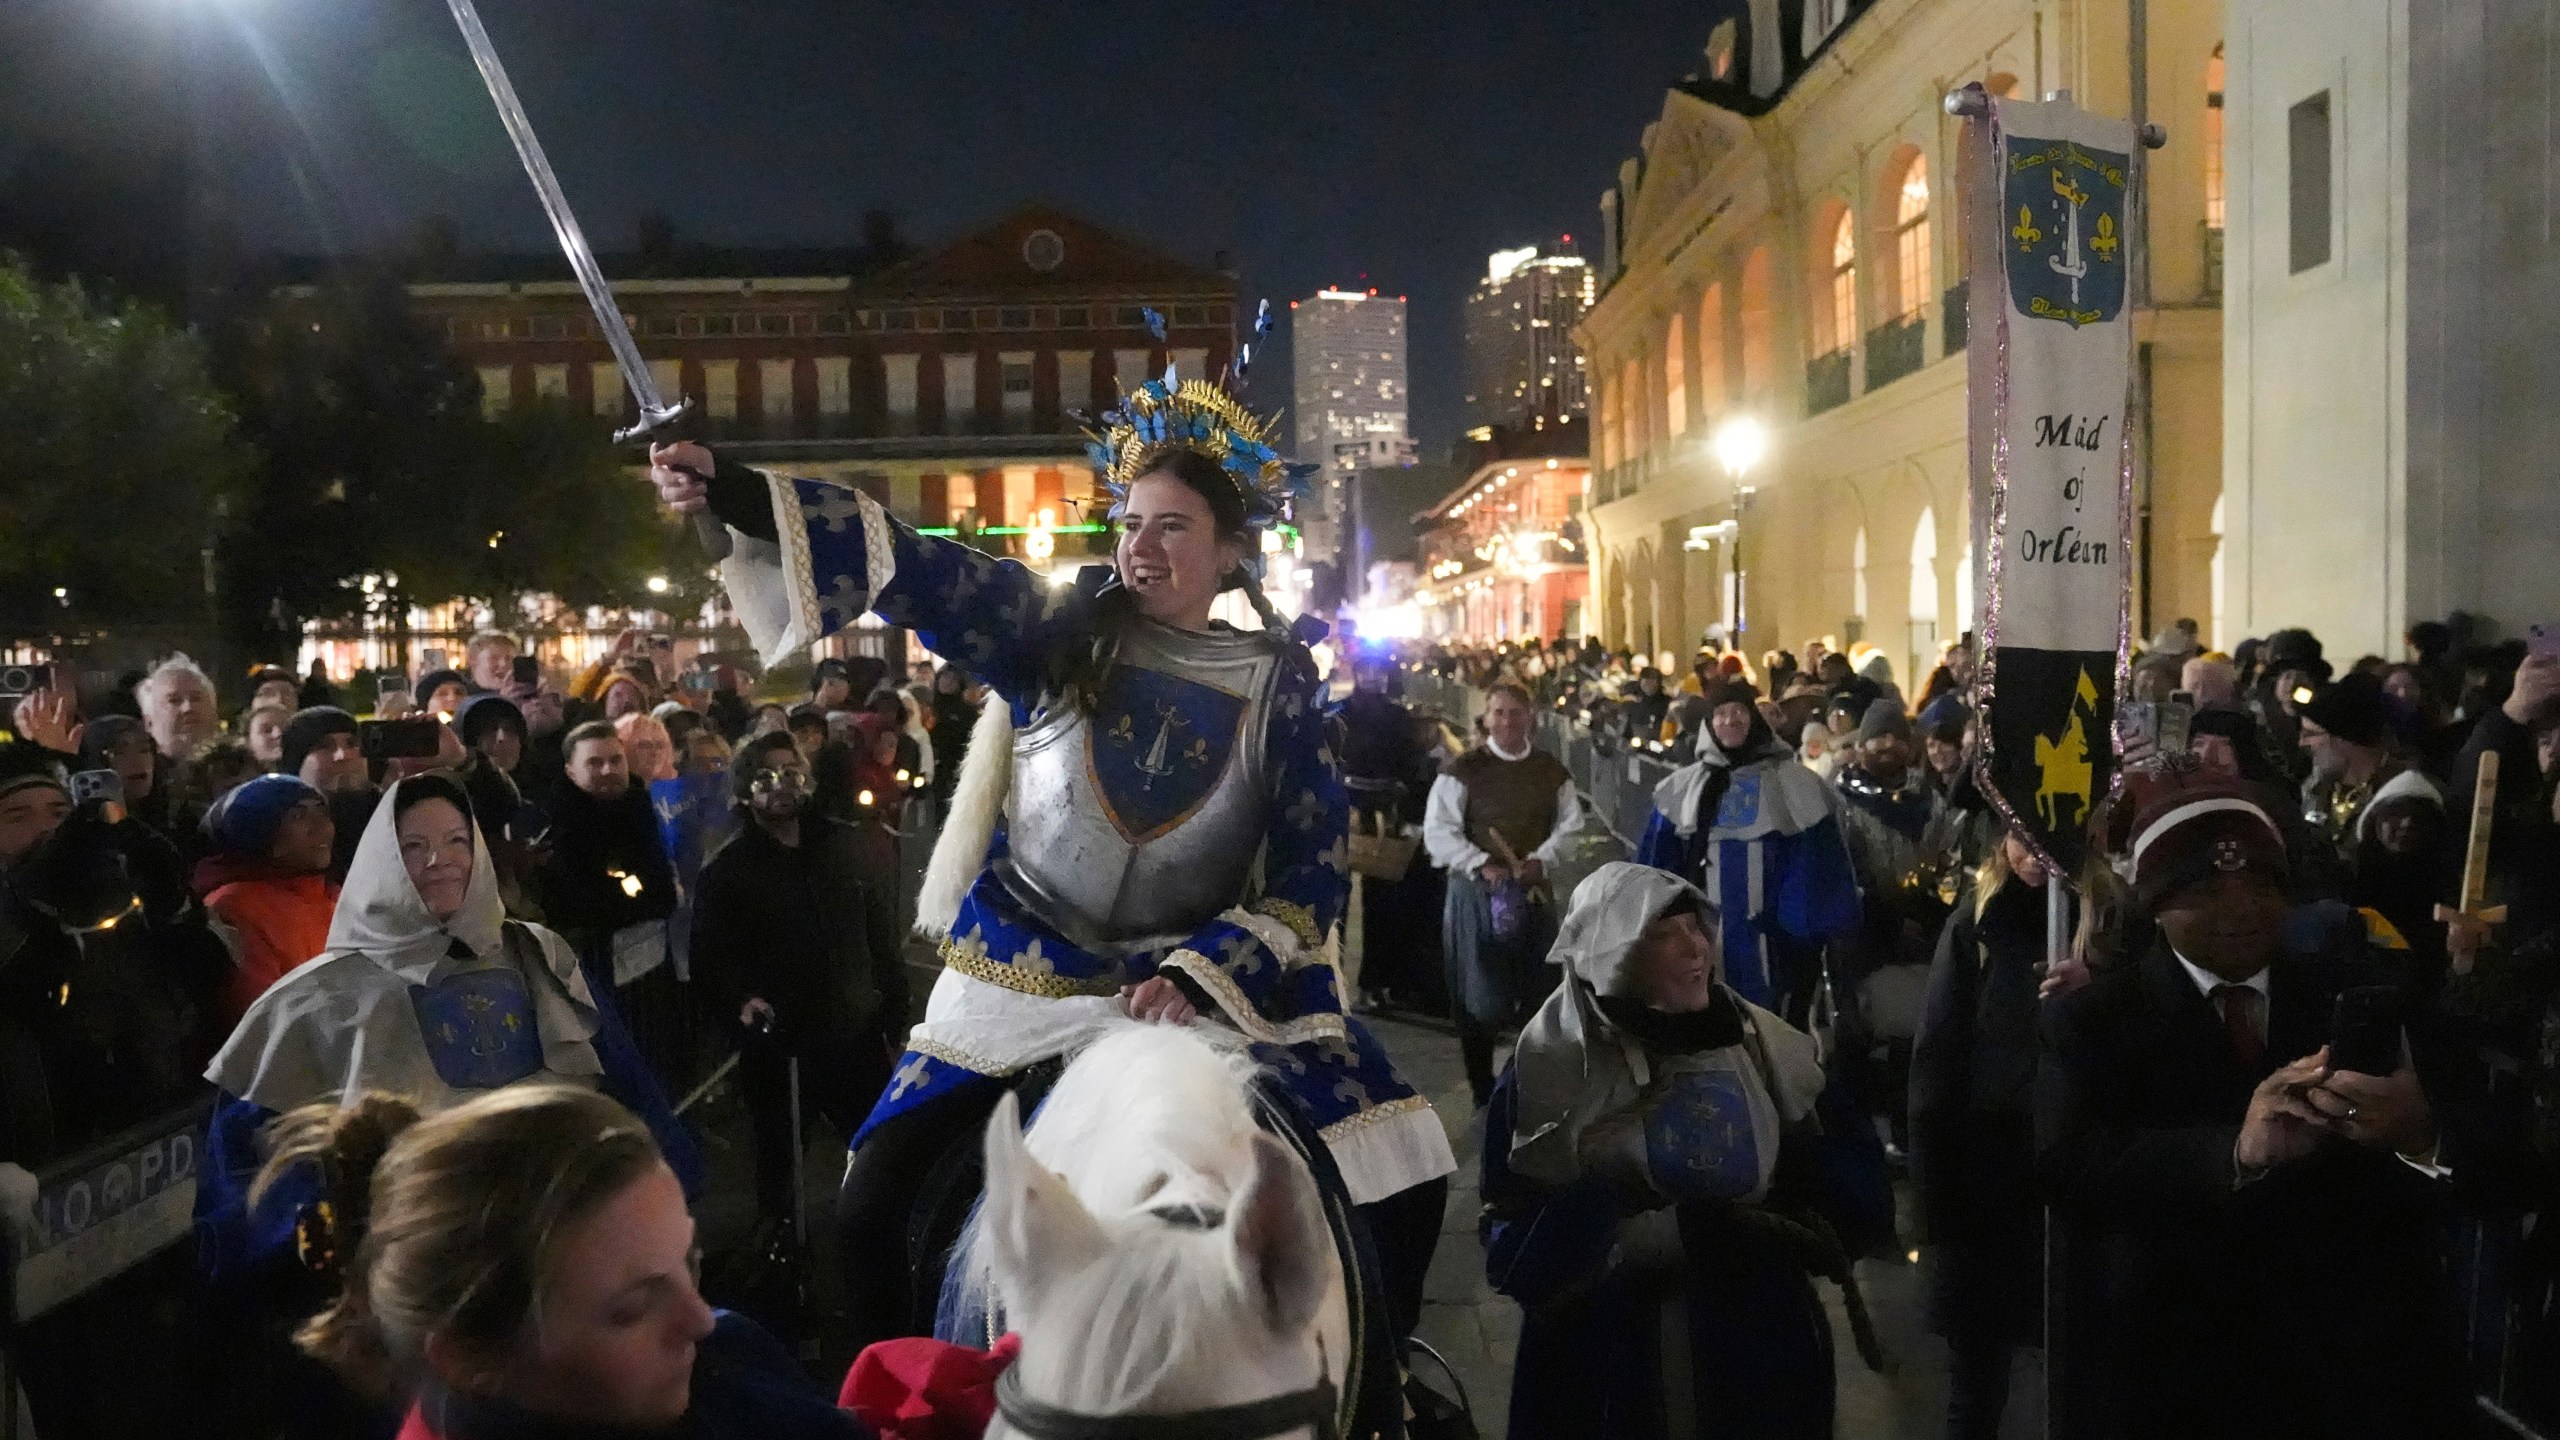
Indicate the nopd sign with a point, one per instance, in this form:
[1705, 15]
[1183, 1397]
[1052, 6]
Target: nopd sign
[107, 1209]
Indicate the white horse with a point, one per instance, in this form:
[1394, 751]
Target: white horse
[1158, 1253]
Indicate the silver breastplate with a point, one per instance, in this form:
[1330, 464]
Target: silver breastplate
[1143, 819]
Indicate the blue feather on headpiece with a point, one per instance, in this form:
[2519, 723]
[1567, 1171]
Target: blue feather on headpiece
[1204, 417]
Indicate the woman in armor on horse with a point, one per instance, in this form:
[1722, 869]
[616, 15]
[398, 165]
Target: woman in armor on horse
[1172, 837]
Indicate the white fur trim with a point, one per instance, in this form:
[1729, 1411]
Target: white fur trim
[977, 802]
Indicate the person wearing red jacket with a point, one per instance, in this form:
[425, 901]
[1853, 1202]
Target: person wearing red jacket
[266, 884]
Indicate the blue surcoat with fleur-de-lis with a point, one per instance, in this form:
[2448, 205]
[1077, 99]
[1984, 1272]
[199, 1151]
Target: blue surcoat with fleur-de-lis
[1189, 820]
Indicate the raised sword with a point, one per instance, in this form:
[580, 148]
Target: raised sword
[656, 415]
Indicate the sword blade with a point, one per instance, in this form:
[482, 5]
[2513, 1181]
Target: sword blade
[654, 410]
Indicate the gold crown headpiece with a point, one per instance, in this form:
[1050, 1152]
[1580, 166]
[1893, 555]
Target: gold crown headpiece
[1203, 417]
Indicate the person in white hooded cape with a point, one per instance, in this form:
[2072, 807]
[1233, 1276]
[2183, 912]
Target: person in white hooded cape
[437, 1010]
[1659, 1191]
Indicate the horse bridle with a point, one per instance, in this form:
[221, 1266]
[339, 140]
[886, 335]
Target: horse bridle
[1253, 1420]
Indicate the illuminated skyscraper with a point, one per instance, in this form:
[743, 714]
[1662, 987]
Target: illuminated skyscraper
[1521, 359]
[1350, 355]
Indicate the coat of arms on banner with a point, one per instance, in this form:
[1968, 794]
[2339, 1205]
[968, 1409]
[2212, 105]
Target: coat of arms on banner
[2065, 215]
[1159, 744]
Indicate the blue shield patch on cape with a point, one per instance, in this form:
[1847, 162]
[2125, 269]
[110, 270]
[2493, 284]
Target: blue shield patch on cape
[2063, 213]
[479, 1028]
[1157, 747]
[1698, 1138]
[1741, 807]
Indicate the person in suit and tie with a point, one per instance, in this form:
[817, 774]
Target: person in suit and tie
[2252, 1236]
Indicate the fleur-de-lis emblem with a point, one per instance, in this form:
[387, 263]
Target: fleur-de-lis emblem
[2105, 242]
[915, 1072]
[843, 600]
[1033, 961]
[1240, 953]
[1337, 856]
[1306, 810]
[2025, 230]
[1123, 730]
[835, 508]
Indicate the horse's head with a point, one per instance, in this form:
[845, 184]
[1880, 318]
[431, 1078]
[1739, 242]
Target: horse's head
[1177, 1309]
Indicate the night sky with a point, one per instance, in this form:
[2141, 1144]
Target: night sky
[1319, 142]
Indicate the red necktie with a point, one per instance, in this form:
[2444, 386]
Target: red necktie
[2239, 1007]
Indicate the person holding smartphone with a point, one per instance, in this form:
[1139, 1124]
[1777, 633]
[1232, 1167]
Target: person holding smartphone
[2263, 1221]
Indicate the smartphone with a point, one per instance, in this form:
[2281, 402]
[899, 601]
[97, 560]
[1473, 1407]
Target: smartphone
[432, 659]
[19, 680]
[526, 670]
[413, 738]
[2364, 1031]
[2176, 723]
[105, 786]
[695, 682]
[2542, 640]
[389, 683]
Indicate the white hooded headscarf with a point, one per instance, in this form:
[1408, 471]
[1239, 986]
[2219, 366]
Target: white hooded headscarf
[1575, 1066]
[342, 1022]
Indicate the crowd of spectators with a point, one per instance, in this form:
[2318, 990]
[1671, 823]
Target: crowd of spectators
[163, 873]
[2274, 1065]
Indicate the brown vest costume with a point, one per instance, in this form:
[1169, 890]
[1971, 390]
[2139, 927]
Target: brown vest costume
[1515, 797]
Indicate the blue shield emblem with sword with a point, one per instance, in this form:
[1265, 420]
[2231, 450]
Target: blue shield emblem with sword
[2063, 221]
[1157, 747]
[479, 1027]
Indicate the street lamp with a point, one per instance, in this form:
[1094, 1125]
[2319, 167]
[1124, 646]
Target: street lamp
[657, 584]
[1740, 444]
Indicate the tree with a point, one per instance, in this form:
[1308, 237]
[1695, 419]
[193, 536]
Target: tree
[125, 459]
[381, 463]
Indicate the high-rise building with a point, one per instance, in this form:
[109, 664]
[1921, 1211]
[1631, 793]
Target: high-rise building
[1349, 349]
[1521, 355]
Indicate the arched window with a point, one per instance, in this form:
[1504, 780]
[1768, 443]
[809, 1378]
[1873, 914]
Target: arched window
[1912, 271]
[1759, 326]
[1711, 392]
[2213, 140]
[1842, 312]
[1675, 377]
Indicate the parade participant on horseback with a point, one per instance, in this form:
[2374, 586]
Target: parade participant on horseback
[1173, 837]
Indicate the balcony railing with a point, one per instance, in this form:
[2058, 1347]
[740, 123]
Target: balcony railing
[1895, 349]
[1954, 311]
[1826, 382]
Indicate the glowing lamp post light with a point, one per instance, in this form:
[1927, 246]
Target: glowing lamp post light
[1740, 444]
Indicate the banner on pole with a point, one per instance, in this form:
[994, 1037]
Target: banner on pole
[2049, 197]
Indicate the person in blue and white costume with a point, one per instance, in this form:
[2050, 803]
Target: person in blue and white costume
[1174, 834]
[427, 991]
[1755, 828]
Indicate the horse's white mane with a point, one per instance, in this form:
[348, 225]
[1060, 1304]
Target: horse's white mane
[1148, 1121]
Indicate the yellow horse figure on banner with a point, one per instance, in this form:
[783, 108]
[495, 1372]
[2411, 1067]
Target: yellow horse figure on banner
[2062, 761]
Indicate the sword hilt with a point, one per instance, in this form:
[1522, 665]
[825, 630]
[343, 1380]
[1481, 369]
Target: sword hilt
[659, 425]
